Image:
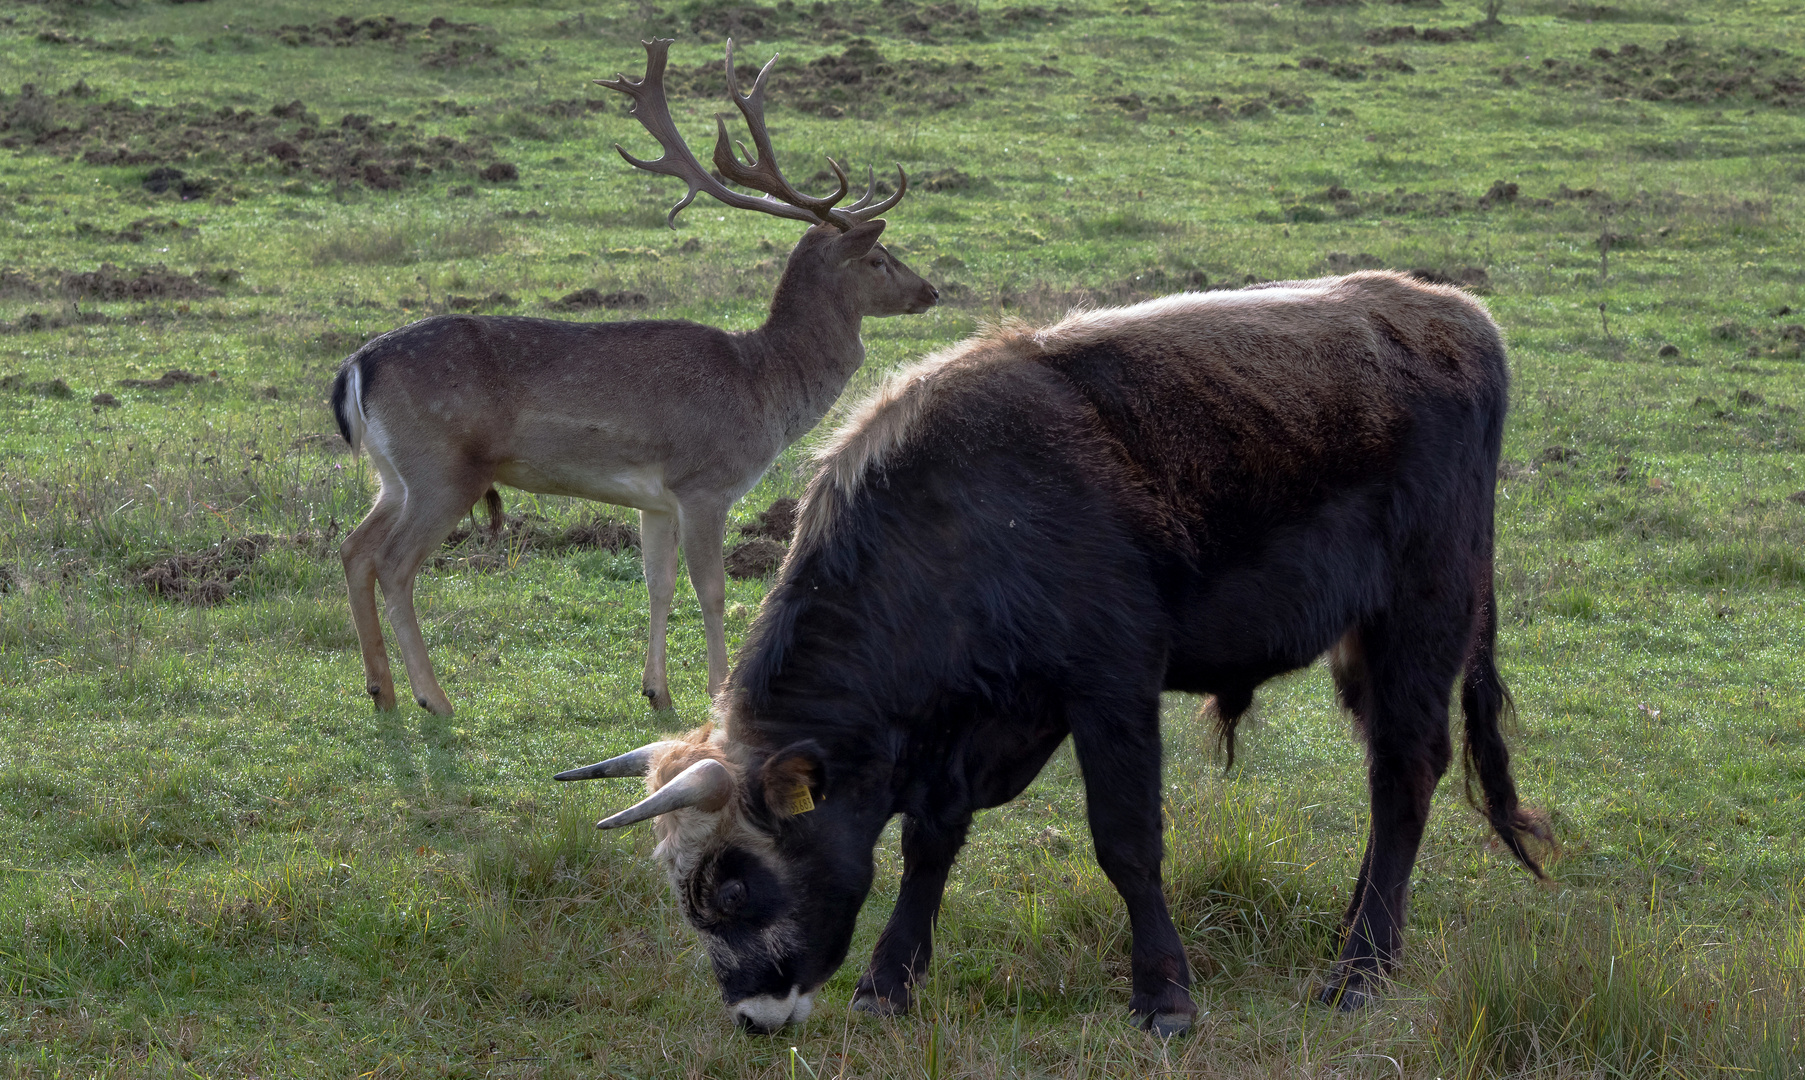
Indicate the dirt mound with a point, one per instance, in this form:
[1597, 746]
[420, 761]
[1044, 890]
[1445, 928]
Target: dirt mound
[1435, 35]
[56, 388]
[584, 299]
[146, 283]
[1335, 202]
[358, 149]
[757, 557]
[202, 579]
[170, 379]
[134, 233]
[853, 82]
[1214, 108]
[454, 302]
[615, 536]
[776, 522]
[347, 30]
[1680, 70]
[833, 22]
[163, 178]
[322, 443]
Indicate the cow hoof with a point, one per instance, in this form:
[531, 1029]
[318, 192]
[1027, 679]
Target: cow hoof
[1167, 1025]
[869, 1002]
[1347, 997]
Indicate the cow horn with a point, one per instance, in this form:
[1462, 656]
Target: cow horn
[706, 785]
[633, 763]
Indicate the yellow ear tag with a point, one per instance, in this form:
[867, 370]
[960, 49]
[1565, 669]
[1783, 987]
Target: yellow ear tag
[801, 802]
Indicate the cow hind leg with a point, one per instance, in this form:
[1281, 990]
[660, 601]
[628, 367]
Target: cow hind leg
[906, 946]
[1119, 752]
[1396, 679]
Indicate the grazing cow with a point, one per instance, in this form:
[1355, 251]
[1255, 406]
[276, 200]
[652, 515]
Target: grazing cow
[1034, 533]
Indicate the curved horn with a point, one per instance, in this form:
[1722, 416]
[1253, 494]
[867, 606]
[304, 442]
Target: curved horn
[633, 763]
[706, 785]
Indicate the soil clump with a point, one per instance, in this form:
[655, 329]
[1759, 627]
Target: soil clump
[355, 150]
[756, 558]
[1680, 70]
[205, 578]
[775, 522]
[169, 380]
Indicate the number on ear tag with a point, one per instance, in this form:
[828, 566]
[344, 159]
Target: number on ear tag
[801, 802]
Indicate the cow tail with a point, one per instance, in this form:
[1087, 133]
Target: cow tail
[347, 402]
[1485, 701]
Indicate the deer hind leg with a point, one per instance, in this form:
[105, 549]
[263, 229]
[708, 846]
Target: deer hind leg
[658, 547]
[431, 509]
[359, 553]
[704, 526]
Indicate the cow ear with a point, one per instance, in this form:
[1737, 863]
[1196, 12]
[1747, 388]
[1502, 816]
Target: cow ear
[795, 779]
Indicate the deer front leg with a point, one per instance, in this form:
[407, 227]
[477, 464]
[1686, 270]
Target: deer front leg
[658, 548]
[704, 524]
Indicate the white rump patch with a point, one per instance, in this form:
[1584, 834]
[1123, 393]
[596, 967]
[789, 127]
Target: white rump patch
[769, 1012]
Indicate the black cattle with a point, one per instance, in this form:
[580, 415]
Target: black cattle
[1036, 532]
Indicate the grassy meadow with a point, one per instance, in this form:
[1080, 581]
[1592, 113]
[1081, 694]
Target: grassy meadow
[215, 860]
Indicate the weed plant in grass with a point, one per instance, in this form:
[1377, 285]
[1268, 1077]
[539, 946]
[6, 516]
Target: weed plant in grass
[216, 861]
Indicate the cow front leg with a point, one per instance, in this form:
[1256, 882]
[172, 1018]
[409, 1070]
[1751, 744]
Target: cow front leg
[906, 946]
[1119, 752]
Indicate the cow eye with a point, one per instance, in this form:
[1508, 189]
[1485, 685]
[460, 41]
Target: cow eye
[730, 896]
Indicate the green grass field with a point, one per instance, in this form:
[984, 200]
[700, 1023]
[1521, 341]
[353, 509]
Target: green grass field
[216, 861]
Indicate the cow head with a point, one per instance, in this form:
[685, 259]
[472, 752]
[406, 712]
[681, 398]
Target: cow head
[770, 876]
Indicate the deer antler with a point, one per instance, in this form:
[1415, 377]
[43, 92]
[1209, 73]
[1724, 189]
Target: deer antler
[758, 172]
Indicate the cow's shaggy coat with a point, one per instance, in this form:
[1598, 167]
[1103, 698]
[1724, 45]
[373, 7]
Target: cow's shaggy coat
[1034, 533]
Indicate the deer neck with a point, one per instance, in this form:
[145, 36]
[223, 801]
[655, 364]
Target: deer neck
[805, 353]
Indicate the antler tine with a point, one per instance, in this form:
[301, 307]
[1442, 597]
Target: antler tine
[652, 111]
[761, 173]
[865, 209]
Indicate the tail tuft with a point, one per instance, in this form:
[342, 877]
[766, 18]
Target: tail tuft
[497, 519]
[347, 403]
[1225, 708]
[1484, 700]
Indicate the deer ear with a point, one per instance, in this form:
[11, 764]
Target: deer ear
[794, 779]
[857, 242]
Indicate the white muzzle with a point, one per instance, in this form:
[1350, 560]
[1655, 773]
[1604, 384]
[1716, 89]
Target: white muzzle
[768, 1012]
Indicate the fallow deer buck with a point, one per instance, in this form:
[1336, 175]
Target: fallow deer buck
[675, 419]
